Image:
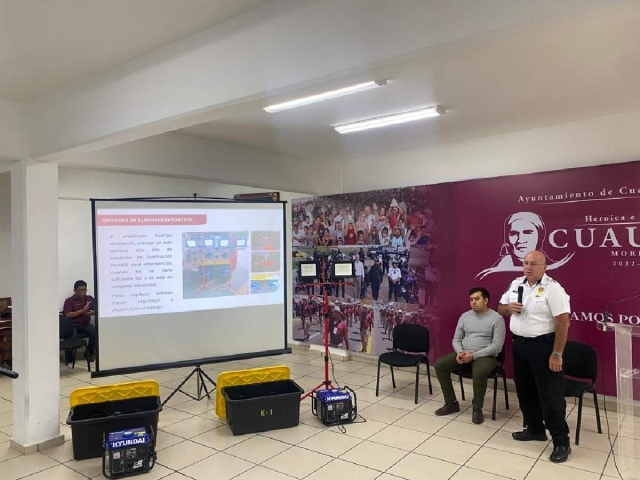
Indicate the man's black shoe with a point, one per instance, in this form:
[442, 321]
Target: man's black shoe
[527, 436]
[448, 409]
[477, 417]
[560, 453]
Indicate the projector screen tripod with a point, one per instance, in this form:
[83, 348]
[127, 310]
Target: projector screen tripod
[202, 390]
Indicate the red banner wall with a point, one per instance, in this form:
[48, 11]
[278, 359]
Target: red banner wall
[587, 221]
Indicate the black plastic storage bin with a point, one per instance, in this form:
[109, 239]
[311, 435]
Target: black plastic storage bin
[262, 406]
[90, 422]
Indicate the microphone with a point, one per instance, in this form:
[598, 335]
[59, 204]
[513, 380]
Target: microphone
[520, 293]
[8, 373]
[606, 310]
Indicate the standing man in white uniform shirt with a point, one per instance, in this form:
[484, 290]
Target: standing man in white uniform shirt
[394, 276]
[540, 325]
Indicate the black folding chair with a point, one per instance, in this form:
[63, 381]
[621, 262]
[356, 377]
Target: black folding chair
[69, 344]
[466, 372]
[410, 349]
[581, 361]
[76, 333]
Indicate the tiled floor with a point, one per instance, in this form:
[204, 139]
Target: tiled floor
[399, 440]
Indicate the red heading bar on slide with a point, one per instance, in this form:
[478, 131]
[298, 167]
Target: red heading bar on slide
[128, 220]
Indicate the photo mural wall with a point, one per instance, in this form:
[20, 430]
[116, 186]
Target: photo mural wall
[424, 247]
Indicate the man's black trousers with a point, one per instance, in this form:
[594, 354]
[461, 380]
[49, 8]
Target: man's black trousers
[375, 290]
[393, 290]
[540, 390]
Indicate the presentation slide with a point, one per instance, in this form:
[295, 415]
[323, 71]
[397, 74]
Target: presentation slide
[216, 268]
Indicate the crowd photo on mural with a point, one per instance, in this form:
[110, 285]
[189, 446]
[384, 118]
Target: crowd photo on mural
[392, 238]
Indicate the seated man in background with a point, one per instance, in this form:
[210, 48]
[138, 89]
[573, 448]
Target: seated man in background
[79, 309]
[479, 337]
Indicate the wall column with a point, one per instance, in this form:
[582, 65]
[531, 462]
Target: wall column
[34, 252]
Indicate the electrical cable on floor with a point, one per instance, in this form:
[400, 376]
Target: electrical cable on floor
[342, 428]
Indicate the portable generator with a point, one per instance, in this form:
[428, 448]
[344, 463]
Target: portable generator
[128, 452]
[335, 406]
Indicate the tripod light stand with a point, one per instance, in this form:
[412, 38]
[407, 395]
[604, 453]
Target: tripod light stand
[324, 284]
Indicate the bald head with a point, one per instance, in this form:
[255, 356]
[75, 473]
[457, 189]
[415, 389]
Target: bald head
[536, 256]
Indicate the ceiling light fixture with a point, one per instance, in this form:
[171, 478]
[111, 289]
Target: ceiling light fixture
[393, 119]
[299, 102]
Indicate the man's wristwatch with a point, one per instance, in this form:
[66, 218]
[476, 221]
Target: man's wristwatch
[556, 355]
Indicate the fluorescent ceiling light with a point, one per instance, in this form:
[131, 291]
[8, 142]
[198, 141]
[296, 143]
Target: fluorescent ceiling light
[391, 119]
[361, 87]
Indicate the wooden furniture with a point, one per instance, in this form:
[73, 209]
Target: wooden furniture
[5, 303]
[5, 342]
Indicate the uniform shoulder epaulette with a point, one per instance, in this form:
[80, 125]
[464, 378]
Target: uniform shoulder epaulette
[518, 280]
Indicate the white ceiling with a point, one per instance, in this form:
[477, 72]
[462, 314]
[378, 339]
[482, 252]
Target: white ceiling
[565, 69]
[562, 68]
[46, 45]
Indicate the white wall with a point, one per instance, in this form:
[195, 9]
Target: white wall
[5, 234]
[184, 156]
[597, 141]
[11, 129]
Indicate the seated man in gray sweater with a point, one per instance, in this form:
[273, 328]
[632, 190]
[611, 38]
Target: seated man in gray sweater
[478, 339]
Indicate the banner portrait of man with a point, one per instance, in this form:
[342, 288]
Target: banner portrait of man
[524, 232]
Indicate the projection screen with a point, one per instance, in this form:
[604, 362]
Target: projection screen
[182, 283]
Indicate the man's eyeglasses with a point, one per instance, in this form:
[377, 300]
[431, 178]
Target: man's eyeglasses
[532, 264]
